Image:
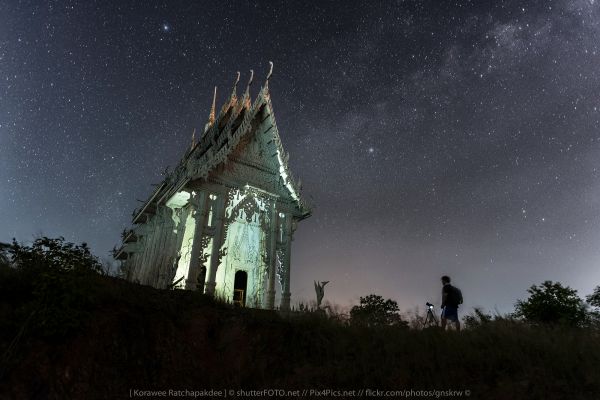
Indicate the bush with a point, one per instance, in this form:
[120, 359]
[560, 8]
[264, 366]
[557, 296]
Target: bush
[54, 254]
[50, 279]
[477, 318]
[594, 298]
[375, 311]
[551, 303]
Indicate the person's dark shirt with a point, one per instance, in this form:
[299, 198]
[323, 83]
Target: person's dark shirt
[446, 295]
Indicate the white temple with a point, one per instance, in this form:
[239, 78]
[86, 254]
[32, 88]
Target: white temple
[222, 221]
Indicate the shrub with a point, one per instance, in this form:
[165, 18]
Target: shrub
[477, 318]
[52, 278]
[56, 254]
[375, 311]
[552, 303]
[594, 298]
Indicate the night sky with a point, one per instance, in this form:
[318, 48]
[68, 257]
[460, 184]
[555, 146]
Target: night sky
[433, 138]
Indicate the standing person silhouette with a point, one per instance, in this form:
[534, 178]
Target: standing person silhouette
[451, 298]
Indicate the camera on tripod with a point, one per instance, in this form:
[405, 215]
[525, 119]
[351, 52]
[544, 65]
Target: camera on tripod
[430, 319]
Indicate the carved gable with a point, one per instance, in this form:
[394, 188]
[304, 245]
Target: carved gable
[256, 160]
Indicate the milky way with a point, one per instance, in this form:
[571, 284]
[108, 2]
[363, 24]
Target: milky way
[433, 138]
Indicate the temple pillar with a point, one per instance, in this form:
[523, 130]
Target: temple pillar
[200, 205]
[272, 256]
[142, 234]
[141, 270]
[215, 259]
[149, 261]
[286, 294]
[173, 227]
[165, 253]
[159, 249]
[180, 223]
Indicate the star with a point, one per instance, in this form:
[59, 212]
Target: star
[483, 136]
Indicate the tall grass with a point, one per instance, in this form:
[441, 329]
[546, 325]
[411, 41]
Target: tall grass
[120, 336]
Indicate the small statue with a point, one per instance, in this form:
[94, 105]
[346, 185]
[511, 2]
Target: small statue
[320, 289]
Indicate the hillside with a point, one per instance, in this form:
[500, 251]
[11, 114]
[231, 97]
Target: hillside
[87, 336]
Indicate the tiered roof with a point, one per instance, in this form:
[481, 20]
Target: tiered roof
[238, 118]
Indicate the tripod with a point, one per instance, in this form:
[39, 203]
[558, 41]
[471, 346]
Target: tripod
[430, 319]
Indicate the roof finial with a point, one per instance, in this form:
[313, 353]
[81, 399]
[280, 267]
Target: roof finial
[235, 84]
[270, 70]
[211, 117]
[250, 81]
[246, 99]
[193, 140]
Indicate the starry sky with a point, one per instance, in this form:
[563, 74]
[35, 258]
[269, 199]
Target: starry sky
[432, 137]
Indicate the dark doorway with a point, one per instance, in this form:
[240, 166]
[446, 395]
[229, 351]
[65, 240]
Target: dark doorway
[239, 288]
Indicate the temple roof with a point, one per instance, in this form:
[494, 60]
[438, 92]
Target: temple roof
[238, 118]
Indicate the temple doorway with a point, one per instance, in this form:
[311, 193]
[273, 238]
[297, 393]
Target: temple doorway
[239, 288]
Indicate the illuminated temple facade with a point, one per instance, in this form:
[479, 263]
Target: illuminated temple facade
[222, 221]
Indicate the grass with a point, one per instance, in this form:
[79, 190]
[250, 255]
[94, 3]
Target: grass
[70, 335]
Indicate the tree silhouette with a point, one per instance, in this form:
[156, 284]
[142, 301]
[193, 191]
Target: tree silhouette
[552, 303]
[594, 298]
[4, 258]
[57, 281]
[51, 254]
[375, 311]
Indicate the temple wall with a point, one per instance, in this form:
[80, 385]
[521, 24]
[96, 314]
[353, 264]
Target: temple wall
[248, 230]
[183, 265]
[168, 253]
[160, 252]
[245, 243]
